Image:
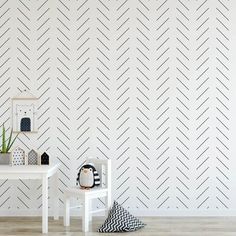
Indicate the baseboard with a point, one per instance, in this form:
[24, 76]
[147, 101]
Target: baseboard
[141, 213]
[183, 213]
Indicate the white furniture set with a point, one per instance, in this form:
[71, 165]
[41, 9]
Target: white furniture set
[85, 196]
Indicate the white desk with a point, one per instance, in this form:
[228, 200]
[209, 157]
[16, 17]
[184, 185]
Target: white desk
[37, 172]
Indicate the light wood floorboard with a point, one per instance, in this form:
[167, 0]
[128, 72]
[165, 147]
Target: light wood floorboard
[156, 226]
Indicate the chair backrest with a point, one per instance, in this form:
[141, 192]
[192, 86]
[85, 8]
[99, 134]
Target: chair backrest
[103, 168]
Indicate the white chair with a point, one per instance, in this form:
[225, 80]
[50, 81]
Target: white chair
[103, 168]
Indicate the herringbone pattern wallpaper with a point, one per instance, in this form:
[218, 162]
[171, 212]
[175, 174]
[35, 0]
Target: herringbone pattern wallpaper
[145, 83]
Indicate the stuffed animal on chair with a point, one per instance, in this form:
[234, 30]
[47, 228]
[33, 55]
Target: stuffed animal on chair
[88, 177]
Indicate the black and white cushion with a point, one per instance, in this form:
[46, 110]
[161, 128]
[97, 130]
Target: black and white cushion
[120, 220]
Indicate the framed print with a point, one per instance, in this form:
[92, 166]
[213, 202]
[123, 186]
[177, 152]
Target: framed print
[24, 111]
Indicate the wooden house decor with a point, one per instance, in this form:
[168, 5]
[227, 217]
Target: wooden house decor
[44, 159]
[33, 157]
[18, 157]
[24, 112]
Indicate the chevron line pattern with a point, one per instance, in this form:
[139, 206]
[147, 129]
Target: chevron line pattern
[82, 80]
[43, 67]
[23, 81]
[120, 220]
[104, 79]
[5, 77]
[143, 82]
[183, 81]
[64, 103]
[162, 108]
[202, 105]
[143, 103]
[222, 104]
[23, 55]
[122, 118]
[42, 81]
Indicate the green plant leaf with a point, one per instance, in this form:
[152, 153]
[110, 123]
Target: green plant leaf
[3, 139]
[9, 141]
[6, 145]
[12, 142]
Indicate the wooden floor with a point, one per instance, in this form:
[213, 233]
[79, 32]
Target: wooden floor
[156, 226]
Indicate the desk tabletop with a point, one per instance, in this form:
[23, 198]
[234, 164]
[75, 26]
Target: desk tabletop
[28, 169]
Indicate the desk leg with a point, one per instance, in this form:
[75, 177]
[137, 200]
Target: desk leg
[55, 194]
[45, 205]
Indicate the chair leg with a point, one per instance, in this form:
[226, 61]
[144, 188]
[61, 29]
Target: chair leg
[85, 215]
[67, 212]
[90, 210]
[108, 205]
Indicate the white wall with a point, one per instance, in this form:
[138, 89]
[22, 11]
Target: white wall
[146, 83]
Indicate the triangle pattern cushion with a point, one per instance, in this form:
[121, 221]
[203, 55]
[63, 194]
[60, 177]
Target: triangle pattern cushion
[120, 220]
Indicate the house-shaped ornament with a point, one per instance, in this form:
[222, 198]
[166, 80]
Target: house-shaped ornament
[18, 157]
[33, 157]
[24, 112]
[44, 159]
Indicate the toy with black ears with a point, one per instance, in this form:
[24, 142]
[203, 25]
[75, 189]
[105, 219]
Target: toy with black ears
[88, 177]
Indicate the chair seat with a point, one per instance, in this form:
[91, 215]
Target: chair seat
[77, 191]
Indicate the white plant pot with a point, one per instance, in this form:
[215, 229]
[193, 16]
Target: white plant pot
[5, 158]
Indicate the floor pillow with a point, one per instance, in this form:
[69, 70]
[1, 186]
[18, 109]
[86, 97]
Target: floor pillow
[120, 220]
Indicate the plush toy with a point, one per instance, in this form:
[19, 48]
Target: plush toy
[88, 177]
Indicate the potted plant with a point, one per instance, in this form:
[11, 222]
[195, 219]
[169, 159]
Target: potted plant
[6, 146]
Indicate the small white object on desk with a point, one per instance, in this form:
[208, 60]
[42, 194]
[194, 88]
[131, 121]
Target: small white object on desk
[42, 172]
